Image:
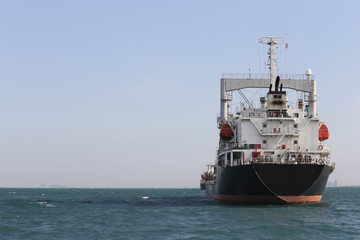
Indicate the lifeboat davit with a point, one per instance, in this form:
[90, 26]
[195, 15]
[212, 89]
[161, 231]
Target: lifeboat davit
[226, 133]
[323, 132]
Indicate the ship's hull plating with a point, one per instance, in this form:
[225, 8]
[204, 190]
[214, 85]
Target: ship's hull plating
[270, 183]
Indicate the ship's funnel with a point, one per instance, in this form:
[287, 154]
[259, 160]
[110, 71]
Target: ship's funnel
[277, 84]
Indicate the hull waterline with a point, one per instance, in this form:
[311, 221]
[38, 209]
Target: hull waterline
[270, 184]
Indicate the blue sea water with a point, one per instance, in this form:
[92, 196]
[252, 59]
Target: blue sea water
[170, 214]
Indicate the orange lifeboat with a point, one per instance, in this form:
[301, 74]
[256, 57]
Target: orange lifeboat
[226, 133]
[323, 132]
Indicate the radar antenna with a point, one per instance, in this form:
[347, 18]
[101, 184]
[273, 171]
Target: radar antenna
[272, 42]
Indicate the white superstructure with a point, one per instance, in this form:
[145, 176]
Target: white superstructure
[274, 132]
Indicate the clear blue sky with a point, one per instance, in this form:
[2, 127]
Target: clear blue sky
[126, 93]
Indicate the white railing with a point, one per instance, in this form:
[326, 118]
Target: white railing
[267, 76]
[279, 160]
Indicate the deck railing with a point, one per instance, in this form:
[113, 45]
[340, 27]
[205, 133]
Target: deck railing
[278, 160]
[267, 76]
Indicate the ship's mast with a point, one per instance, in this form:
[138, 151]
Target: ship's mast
[271, 41]
[298, 82]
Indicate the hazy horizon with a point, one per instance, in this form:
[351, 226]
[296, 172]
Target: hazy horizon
[126, 93]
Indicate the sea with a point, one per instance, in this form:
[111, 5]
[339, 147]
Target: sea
[27, 213]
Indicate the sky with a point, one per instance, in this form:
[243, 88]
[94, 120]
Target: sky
[123, 94]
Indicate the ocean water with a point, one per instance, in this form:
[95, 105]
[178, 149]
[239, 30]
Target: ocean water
[170, 214]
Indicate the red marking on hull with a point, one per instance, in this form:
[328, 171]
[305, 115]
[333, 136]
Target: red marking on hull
[266, 199]
[302, 199]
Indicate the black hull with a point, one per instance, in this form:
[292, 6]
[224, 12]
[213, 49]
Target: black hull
[270, 183]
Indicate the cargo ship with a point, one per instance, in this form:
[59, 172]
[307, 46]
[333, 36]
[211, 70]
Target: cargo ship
[273, 152]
